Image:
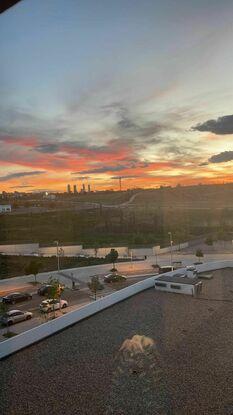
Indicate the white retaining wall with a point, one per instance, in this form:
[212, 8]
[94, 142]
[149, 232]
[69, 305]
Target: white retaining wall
[75, 250]
[123, 251]
[174, 248]
[71, 250]
[19, 249]
[141, 252]
[44, 330]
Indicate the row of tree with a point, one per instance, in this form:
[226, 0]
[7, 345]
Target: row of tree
[35, 266]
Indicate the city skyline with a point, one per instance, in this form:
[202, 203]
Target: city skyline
[102, 91]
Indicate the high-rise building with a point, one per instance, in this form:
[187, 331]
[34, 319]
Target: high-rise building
[75, 189]
[68, 188]
[89, 188]
[83, 188]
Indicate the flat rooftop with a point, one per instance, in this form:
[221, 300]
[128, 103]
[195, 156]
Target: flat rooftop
[179, 279]
[155, 353]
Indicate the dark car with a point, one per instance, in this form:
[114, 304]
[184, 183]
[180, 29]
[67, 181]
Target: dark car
[16, 298]
[166, 268]
[114, 278]
[44, 289]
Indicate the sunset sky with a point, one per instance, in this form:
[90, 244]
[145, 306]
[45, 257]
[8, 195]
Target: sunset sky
[93, 90]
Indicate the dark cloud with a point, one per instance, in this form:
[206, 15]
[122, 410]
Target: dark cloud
[102, 169]
[127, 177]
[205, 163]
[48, 148]
[16, 122]
[130, 164]
[132, 126]
[223, 157]
[75, 146]
[80, 177]
[221, 126]
[20, 174]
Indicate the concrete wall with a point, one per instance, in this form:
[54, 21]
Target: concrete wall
[75, 250]
[123, 251]
[19, 249]
[142, 252]
[71, 250]
[175, 248]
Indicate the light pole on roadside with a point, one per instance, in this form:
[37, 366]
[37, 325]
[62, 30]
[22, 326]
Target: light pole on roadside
[171, 243]
[131, 257]
[58, 257]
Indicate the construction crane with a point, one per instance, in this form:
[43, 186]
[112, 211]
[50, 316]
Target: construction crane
[120, 178]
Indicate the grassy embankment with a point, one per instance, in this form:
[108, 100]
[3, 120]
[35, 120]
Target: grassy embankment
[187, 212]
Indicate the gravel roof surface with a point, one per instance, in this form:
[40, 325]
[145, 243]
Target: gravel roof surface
[155, 353]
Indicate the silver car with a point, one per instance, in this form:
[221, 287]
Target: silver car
[15, 316]
[52, 304]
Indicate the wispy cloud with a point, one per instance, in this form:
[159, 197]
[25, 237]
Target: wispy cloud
[21, 187]
[133, 176]
[11, 176]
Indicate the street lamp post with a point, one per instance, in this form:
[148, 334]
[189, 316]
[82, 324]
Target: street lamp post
[58, 257]
[171, 243]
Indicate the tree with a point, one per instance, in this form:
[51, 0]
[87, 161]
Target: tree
[33, 268]
[112, 256]
[94, 285]
[209, 241]
[4, 308]
[55, 291]
[199, 254]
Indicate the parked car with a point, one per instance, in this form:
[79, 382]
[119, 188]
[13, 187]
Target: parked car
[177, 264]
[16, 298]
[52, 304]
[15, 316]
[156, 268]
[191, 271]
[44, 289]
[114, 278]
[166, 268]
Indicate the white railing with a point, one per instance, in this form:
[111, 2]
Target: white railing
[38, 333]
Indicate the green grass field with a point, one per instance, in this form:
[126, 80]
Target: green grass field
[187, 212]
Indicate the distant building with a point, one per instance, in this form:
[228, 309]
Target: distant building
[68, 188]
[5, 208]
[75, 188]
[83, 188]
[89, 188]
[4, 194]
[49, 196]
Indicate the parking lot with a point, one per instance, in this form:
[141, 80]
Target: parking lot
[76, 299]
